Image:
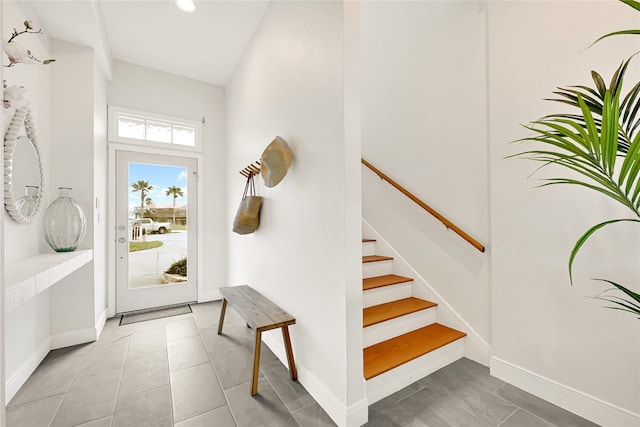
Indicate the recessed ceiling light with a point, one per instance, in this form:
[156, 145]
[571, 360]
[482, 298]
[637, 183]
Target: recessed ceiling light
[186, 5]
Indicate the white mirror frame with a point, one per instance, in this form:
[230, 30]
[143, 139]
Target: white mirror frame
[20, 117]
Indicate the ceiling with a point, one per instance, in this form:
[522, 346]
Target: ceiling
[205, 45]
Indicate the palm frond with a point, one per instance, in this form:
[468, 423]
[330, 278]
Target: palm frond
[616, 33]
[630, 304]
[581, 241]
[592, 143]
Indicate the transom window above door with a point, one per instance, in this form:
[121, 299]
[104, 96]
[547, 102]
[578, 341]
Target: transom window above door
[138, 127]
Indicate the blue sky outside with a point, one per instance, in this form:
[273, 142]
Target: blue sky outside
[160, 177]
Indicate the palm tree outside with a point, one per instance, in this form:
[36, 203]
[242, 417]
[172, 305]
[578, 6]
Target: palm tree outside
[143, 187]
[175, 192]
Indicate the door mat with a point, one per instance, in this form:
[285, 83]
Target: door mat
[154, 313]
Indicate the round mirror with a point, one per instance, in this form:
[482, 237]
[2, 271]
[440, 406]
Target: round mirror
[23, 170]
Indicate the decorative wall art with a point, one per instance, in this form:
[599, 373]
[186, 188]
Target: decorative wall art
[19, 54]
[275, 162]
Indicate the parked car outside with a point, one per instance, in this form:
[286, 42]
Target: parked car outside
[150, 226]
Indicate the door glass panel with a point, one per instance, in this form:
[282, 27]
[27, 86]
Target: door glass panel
[158, 243]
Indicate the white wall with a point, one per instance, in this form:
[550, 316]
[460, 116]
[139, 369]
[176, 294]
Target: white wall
[543, 328]
[158, 92]
[27, 327]
[290, 83]
[100, 157]
[72, 165]
[424, 124]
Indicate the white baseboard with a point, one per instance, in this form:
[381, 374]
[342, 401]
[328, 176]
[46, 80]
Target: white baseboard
[352, 416]
[25, 370]
[102, 320]
[475, 348]
[209, 296]
[580, 403]
[79, 336]
[66, 339]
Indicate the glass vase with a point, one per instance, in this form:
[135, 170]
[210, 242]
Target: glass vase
[64, 223]
[28, 203]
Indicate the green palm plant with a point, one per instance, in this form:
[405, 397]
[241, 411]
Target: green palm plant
[602, 144]
[634, 4]
[175, 192]
[143, 187]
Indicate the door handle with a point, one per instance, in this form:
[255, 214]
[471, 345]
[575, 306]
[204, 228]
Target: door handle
[122, 240]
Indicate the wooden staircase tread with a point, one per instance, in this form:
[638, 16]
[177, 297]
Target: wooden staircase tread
[382, 357]
[394, 309]
[375, 258]
[381, 281]
[368, 240]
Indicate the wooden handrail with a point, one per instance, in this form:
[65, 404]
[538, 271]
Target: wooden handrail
[426, 207]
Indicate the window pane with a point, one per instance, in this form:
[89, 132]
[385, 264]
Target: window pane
[184, 135]
[130, 127]
[158, 131]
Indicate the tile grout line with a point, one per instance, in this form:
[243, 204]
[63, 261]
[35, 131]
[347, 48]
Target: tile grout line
[57, 409]
[224, 393]
[173, 416]
[517, 406]
[121, 378]
[275, 390]
[510, 415]
[539, 417]
[75, 377]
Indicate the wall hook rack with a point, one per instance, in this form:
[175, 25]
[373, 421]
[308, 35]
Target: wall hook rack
[251, 169]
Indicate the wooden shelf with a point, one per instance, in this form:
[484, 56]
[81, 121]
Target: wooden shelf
[27, 278]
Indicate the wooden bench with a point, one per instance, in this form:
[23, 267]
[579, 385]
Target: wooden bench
[261, 315]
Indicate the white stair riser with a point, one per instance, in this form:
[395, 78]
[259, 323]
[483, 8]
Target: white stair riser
[400, 325]
[398, 378]
[386, 294]
[368, 248]
[377, 268]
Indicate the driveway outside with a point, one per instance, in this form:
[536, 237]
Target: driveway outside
[146, 267]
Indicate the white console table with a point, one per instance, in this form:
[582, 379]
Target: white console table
[27, 278]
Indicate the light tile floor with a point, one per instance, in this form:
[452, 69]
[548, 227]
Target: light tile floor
[178, 372]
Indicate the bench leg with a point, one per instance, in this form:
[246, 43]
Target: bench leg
[287, 345]
[222, 312]
[256, 363]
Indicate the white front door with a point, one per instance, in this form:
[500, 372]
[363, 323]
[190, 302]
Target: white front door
[155, 230]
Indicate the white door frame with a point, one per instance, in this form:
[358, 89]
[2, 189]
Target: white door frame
[111, 235]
